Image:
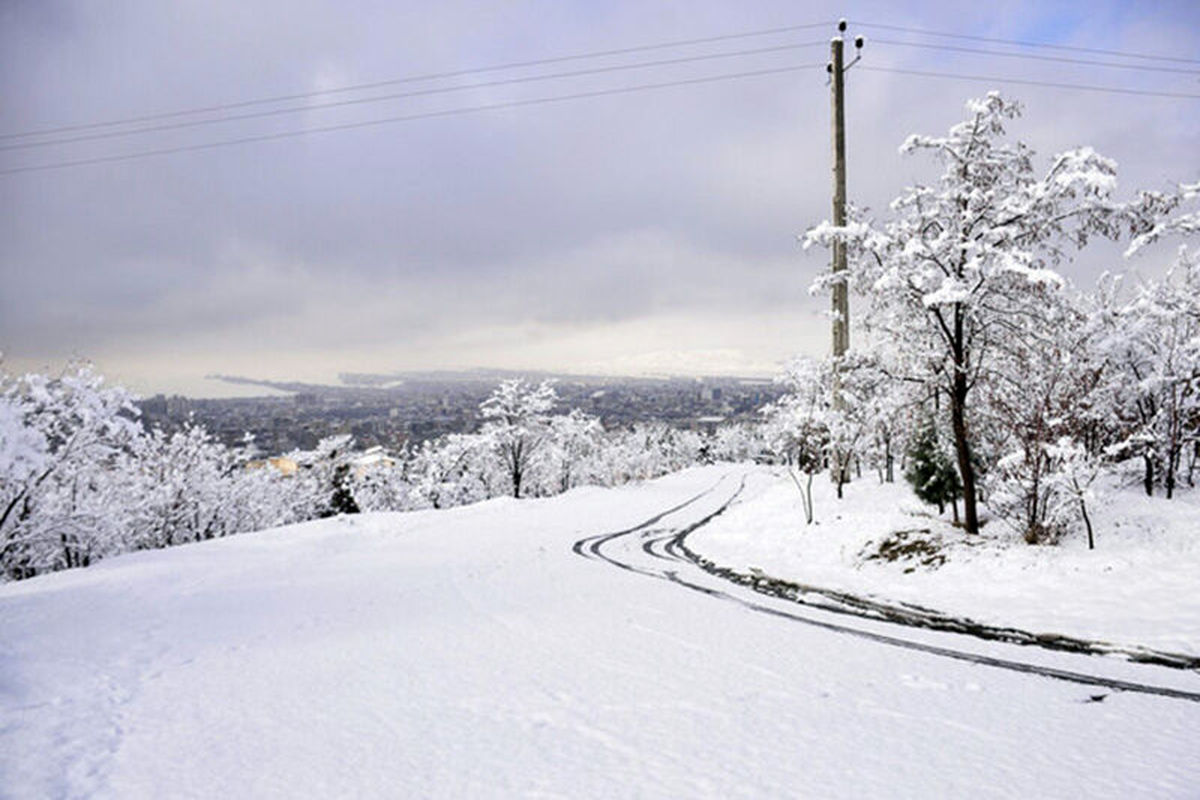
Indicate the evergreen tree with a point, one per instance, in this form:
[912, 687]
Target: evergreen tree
[342, 501]
[931, 471]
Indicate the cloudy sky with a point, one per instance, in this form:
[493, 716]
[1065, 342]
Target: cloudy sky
[625, 233]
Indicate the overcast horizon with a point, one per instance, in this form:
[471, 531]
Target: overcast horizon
[644, 232]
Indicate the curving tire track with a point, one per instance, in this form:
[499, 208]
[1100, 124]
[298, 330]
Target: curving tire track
[646, 549]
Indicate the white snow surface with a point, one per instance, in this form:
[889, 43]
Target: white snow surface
[1137, 588]
[470, 653]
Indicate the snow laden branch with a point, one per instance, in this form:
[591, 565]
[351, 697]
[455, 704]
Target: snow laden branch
[1165, 215]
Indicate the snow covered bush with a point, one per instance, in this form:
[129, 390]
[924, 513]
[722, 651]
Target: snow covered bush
[184, 493]
[61, 494]
[451, 471]
[323, 478]
[647, 450]
[737, 441]
[385, 484]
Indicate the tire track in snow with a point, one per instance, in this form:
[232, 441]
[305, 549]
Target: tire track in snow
[589, 547]
[669, 544]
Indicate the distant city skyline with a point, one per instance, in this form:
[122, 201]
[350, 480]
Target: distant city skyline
[651, 232]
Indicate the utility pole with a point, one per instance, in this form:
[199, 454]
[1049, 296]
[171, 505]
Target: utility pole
[837, 84]
[839, 470]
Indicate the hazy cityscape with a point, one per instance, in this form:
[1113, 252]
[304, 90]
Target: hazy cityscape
[406, 409]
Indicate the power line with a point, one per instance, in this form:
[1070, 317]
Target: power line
[567, 97]
[402, 95]
[416, 78]
[1037, 57]
[405, 118]
[1026, 82]
[948, 35]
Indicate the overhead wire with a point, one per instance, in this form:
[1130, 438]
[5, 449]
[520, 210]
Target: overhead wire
[1029, 82]
[1020, 43]
[572, 96]
[403, 95]
[1037, 57]
[417, 78]
[405, 118]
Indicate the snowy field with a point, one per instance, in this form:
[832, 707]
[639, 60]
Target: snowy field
[473, 653]
[1138, 587]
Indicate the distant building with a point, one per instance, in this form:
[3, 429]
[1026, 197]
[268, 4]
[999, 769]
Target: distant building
[369, 459]
[155, 406]
[285, 466]
[178, 406]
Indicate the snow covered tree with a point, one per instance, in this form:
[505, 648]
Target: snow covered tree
[63, 438]
[1075, 473]
[517, 425]
[962, 264]
[799, 425]
[737, 441]
[185, 485]
[802, 441]
[1041, 400]
[323, 479]
[846, 425]
[570, 459]
[448, 472]
[385, 485]
[1151, 346]
[260, 496]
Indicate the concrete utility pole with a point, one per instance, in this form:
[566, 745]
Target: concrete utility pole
[837, 85]
[839, 469]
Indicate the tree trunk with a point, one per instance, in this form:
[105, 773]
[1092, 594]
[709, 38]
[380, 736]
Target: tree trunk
[808, 507]
[1192, 461]
[1148, 480]
[1174, 451]
[1088, 523]
[962, 448]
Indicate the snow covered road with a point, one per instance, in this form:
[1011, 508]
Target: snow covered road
[473, 653]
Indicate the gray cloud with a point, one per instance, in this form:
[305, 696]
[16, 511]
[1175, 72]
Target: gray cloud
[618, 226]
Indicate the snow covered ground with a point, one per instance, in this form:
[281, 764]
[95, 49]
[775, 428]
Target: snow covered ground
[473, 653]
[1138, 587]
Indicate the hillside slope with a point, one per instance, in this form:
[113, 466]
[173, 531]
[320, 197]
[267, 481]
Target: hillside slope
[471, 653]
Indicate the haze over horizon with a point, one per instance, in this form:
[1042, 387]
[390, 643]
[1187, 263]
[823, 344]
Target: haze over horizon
[648, 232]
